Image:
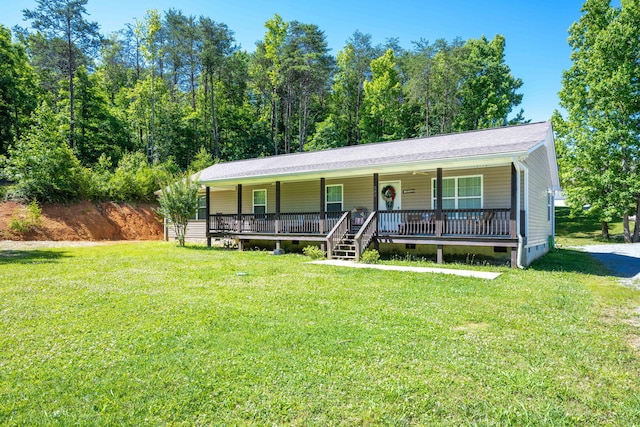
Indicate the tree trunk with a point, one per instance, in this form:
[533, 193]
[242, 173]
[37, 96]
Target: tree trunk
[358, 104]
[274, 120]
[72, 118]
[625, 228]
[214, 124]
[636, 227]
[605, 230]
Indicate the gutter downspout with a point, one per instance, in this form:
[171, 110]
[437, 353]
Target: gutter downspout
[519, 168]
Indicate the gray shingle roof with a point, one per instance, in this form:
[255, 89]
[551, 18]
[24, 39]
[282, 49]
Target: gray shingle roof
[511, 140]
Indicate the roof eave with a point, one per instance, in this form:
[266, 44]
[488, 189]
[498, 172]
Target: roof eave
[422, 166]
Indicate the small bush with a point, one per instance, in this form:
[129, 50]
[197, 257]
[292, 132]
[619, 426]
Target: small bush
[26, 219]
[313, 252]
[370, 256]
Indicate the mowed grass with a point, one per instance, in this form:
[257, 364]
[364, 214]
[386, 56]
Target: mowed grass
[585, 229]
[153, 334]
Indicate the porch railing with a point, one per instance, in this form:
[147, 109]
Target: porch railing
[366, 234]
[454, 222]
[271, 223]
[338, 231]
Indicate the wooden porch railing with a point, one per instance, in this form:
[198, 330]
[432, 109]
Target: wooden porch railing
[271, 223]
[366, 234]
[476, 222]
[339, 230]
[455, 222]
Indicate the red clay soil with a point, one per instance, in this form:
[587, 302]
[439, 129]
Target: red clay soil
[87, 221]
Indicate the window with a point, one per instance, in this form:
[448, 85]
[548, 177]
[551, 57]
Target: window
[464, 192]
[259, 201]
[333, 198]
[201, 212]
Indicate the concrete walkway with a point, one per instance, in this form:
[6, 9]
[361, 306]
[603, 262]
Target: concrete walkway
[465, 273]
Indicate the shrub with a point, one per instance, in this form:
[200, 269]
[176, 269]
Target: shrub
[370, 256]
[313, 252]
[178, 203]
[26, 219]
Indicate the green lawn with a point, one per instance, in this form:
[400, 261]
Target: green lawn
[152, 334]
[584, 229]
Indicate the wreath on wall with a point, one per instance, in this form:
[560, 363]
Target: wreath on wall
[388, 194]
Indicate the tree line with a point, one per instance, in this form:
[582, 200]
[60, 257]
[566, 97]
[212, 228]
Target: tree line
[173, 92]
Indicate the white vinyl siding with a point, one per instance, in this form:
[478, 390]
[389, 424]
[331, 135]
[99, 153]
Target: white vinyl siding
[538, 218]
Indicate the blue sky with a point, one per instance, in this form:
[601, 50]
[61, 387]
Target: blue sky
[535, 31]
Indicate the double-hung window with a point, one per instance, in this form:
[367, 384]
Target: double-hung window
[201, 212]
[464, 192]
[333, 198]
[259, 201]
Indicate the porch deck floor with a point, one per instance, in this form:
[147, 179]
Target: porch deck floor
[487, 275]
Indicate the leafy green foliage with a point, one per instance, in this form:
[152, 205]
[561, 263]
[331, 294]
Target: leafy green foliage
[313, 252]
[171, 84]
[599, 150]
[41, 164]
[179, 203]
[26, 219]
[370, 256]
[18, 90]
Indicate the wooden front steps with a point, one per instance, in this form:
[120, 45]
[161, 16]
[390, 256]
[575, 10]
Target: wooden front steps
[346, 249]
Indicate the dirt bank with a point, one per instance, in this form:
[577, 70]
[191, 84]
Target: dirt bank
[86, 221]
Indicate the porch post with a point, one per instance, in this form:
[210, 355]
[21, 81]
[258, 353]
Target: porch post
[322, 205]
[513, 231]
[376, 186]
[375, 191]
[277, 219]
[514, 202]
[208, 216]
[239, 217]
[439, 221]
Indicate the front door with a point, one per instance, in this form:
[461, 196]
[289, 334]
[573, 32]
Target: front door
[389, 196]
[389, 199]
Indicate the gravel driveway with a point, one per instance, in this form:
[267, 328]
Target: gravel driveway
[622, 260]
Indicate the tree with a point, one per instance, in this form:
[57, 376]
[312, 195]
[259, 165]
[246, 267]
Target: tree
[488, 90]
[18, 90]
[353, 69]
[42, 164]
[599, 150]
[63, 23]
[178, 203]
[382, 102]
[267, 70]
[217, 45]
[306, 70]
[151, 49]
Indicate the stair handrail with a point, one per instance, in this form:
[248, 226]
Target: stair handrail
[338, 232]
[366, 233]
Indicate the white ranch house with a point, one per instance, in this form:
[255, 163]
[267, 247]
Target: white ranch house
[487, 192]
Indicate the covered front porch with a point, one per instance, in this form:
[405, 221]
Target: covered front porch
[347, 233]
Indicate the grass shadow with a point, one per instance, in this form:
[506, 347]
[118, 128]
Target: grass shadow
[30, 256]
[619, 265]
[571, 261]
